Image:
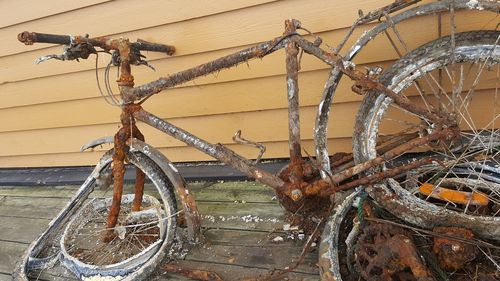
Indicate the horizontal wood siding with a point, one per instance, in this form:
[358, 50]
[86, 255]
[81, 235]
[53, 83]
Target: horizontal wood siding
[49, 110]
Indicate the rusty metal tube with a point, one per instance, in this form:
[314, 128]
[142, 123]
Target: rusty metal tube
[207, 68]
[118, 174]
[140, 177]
[217, 151]
[292, 83]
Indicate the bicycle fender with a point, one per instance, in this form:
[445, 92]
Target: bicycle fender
[191, 213]
[97, 142]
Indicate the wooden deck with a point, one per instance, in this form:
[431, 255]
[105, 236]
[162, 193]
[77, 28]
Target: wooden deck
[240, 222]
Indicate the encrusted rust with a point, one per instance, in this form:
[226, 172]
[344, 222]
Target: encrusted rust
[295, 175]
[453, 254]
[140, 177]
[126, 132]
[327, 187]
[385, 252]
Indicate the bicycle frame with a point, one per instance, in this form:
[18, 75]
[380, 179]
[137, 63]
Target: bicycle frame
[291, 41]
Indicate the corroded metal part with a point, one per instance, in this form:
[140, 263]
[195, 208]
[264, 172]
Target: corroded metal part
[140, 177]
[105, 43]
[378, 177]
[28, 261]
[262, 148]
[295, 175]
[70, 253]
[326, 187]
[118, 174]
[386, 252]
[452, 254]
[148, 262]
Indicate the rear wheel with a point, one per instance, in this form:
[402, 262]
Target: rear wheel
[459, 77]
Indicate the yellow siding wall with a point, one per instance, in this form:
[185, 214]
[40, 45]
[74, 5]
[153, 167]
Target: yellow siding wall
[48, 111]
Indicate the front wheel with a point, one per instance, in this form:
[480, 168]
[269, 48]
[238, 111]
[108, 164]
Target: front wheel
[141, 237]
[459, 77]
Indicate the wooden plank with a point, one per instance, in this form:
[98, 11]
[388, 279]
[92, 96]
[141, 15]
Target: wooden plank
[23, 10]
[11, 65]
[25, 207]
[38, 191]
[57, 273]
[259, 257]
[218, 192]
[258, 239]
[118, 17]
[238, 209]
[176, 154]
[5, 277]
[259, 196]
[49, 140]
[9, 254]
[230, 271]
[22, 230]
[341, 124]
[244, 216]
[22, 93]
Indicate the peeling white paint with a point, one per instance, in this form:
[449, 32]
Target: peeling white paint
[291, 88]
[348, 64]
[474, 4]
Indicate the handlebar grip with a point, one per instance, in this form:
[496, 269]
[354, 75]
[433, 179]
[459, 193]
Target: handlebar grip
[28, 38]
[153, 47]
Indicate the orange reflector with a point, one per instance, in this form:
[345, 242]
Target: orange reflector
[455, 196]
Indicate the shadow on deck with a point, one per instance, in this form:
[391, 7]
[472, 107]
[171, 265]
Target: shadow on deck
[240, 222]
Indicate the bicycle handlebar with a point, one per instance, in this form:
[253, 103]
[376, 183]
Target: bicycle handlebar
[29, 38]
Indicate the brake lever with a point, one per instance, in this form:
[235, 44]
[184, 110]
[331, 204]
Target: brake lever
[71, 52]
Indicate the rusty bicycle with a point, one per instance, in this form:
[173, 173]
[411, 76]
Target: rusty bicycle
[425, 144]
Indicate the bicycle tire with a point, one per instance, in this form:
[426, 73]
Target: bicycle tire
[470, 47]
[140, 264]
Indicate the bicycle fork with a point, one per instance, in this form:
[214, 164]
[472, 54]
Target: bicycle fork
[128, 131]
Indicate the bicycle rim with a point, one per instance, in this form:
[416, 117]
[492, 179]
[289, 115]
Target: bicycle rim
[461, 186]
